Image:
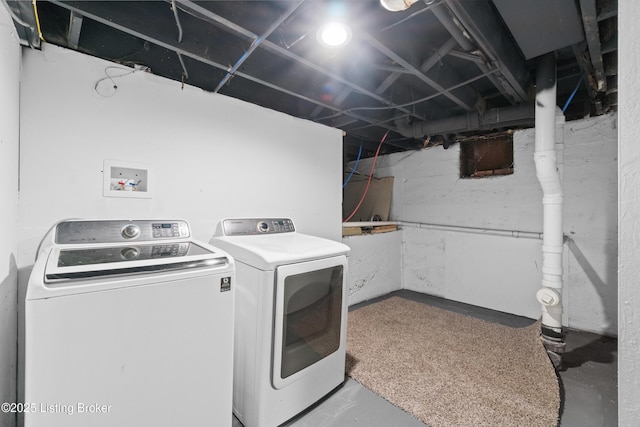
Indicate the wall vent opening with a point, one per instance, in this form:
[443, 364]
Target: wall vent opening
[488, 155]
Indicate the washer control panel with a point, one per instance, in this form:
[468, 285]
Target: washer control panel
[169, 229]
[114, 231]
[256, 226]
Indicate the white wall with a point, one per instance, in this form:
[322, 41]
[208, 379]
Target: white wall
[211, 156]
[374, 265]
[503, 273]
[9, 134]
[590, 221]
[629, 215]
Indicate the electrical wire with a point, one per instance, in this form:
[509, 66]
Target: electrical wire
[185, 73]
[366, 190]
[110, 77]
[354, 166]
[35, 11]
[175, 14]
[411, 103]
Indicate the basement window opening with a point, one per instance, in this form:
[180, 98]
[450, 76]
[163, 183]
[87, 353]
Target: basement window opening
[488, 155]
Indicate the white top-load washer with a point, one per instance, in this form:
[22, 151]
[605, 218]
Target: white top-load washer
[290, 318]
[128, 323]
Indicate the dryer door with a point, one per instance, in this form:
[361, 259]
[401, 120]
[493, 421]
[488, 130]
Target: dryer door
[310, 316]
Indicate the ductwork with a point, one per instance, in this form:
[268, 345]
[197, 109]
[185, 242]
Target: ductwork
[519, 115]
[550, 294]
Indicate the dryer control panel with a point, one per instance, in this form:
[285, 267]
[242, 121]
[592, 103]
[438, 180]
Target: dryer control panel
[116, 231]
[257, 226]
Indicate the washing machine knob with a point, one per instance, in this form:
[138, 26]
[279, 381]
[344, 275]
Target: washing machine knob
[263, 227]
[131, 231]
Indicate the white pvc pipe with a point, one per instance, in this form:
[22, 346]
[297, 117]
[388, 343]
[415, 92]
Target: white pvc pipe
[550, 295]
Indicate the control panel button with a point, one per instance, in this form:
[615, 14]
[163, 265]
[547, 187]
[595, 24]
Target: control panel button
[130, 231]
[169, 230]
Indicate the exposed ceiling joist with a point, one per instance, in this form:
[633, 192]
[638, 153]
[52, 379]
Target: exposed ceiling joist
[412, 69]
[165, 41]
[589, 18]
[75, 27]
[281, 51]
[480, 22]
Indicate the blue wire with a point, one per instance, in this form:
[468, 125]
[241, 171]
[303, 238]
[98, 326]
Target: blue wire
[566, 104]
[354, 166]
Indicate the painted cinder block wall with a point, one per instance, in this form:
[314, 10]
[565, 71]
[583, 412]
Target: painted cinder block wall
[629, 214]
[503, 273]
[374, 265]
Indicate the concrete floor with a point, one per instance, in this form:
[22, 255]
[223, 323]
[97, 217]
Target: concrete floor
[588, 381]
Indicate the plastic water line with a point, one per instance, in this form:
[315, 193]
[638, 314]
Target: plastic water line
[566, 104]
[355, 166]
[366, 189]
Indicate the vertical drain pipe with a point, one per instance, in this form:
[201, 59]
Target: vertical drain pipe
[550, 295]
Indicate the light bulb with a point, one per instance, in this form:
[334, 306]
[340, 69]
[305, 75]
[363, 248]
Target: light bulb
[397, 5]
[334, 34]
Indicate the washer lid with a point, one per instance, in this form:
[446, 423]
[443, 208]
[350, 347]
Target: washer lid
[271, 250]
[54, 275]
[73, 263]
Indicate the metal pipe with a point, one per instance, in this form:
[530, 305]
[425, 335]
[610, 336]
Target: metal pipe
[550, 294]
[497, 117]
[474, 230]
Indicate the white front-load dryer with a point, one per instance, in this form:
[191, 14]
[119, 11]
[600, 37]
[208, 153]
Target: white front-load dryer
[290, 318]
[128, 323]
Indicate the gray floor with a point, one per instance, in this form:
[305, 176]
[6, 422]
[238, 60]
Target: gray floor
[588, 382]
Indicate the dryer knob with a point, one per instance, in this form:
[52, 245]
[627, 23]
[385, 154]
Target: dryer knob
[263, 227]
[131, 231]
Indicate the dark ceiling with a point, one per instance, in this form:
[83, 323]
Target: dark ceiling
[427, 75]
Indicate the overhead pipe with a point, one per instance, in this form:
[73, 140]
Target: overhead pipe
[519, 115]
[550, 294]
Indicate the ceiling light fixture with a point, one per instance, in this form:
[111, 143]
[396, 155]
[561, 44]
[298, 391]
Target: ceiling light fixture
[334, 34]
[398, 5]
